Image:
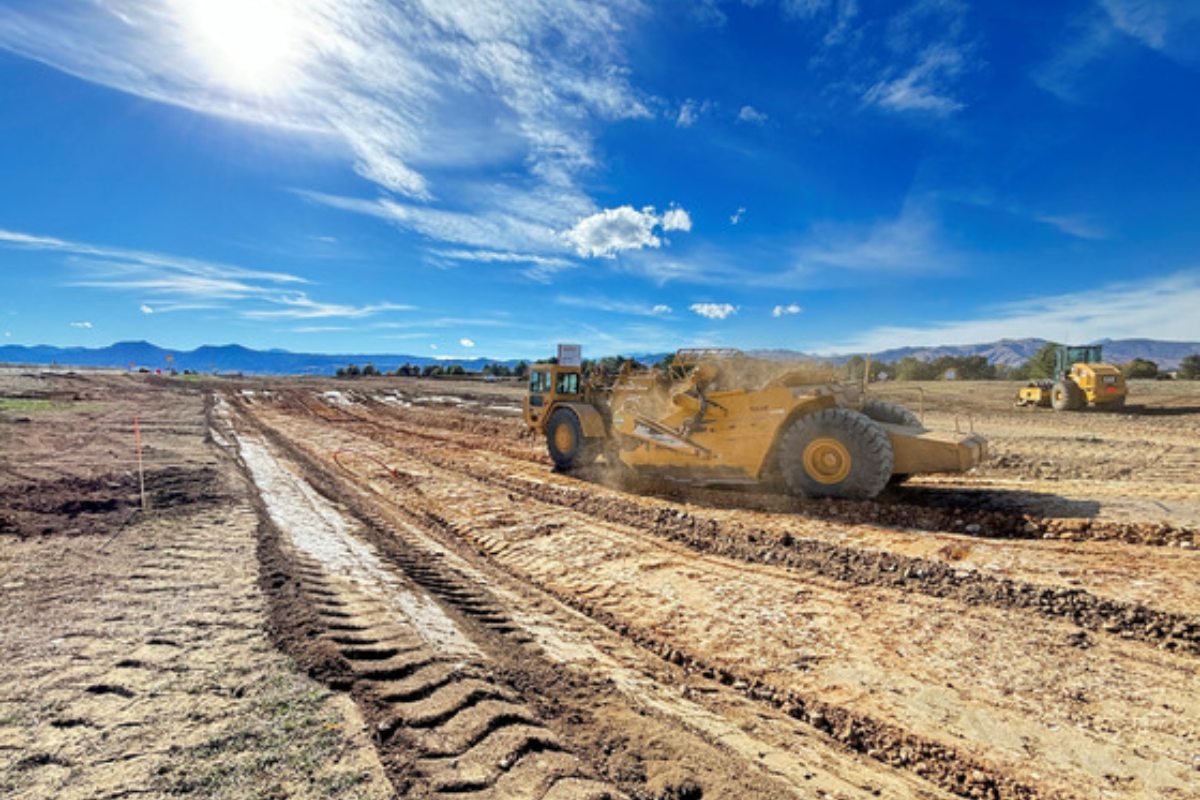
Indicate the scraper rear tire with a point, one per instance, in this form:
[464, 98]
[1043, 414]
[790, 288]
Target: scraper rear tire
[836, 452]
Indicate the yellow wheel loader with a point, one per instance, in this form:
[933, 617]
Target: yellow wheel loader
[1082, 378]
[719, 417]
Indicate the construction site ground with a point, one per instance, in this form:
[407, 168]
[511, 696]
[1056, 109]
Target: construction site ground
[380, 588]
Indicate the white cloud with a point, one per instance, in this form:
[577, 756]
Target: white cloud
[1162, 308]
[676, 219]
[752, 115]
[615, 229]
[925, 86]
[466, 343]
[81, 324]
[781, 311]
[714, 310]
[661, 310]
[145, 309]
[737, 216]
[691, 111]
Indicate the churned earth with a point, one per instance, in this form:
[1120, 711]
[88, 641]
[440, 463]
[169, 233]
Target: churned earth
[380, 587]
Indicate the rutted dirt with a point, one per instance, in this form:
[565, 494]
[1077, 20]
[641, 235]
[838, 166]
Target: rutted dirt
[1030, 630]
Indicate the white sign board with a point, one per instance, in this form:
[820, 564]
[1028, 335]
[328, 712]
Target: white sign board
[570, 355]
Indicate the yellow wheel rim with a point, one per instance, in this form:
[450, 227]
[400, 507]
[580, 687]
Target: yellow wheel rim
[564, 438]
[827, 461]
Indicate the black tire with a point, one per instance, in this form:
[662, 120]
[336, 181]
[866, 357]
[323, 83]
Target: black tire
[569, 448]
[1066, 396]
[836, 452]
[891, 413]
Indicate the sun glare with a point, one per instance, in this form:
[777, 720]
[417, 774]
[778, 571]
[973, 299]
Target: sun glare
[249, 45]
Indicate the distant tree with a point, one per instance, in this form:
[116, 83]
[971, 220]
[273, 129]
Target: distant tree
[341, 372]
[1020, 373]
[432, 370]
[914, 369]
[369, 370]
[456, 369]
[352, 371]
[966, 368]
[1189, 368]
[1041, 365]
[854, 368]
[521, 370]
[1140, 368]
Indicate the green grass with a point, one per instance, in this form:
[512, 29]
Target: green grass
[31, 405]
[23, 405]
[286, 735]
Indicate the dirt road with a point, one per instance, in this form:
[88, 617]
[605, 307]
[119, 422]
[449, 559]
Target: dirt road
[1030, 630]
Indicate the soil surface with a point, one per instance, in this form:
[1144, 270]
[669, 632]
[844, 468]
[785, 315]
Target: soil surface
[380, 587]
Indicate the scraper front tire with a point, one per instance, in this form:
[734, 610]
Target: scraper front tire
[835, 452]
[569, 448]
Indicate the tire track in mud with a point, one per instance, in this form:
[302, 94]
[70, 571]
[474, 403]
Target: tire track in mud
[650, 759]
[443, 725]
[944, 766]
[1171, 631]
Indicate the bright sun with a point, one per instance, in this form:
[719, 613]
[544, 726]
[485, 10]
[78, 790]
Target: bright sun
[249, 45]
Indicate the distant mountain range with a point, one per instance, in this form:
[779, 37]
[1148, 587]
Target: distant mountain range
[235, 358]
[224, 358]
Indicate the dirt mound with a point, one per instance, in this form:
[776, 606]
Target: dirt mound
[77, 506]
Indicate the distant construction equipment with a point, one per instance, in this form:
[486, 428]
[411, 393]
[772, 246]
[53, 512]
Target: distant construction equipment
[1082, 378]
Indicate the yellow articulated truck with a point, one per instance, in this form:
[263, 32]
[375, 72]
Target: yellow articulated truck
[719, 417]
[1082, 378]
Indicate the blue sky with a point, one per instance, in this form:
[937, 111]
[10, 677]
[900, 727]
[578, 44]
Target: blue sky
[491, 177]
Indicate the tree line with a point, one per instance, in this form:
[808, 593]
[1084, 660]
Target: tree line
[976, 368]
[520, 370]
[963, 368]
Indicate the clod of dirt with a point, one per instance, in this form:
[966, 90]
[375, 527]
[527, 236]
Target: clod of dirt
[674, 784]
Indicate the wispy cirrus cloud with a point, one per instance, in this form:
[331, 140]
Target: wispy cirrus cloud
[177, 283]
[405, 90]
[1169, 28]
[912, 61]
[300, 306]
[909, 243]
[594, 302]
[1162, 308]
